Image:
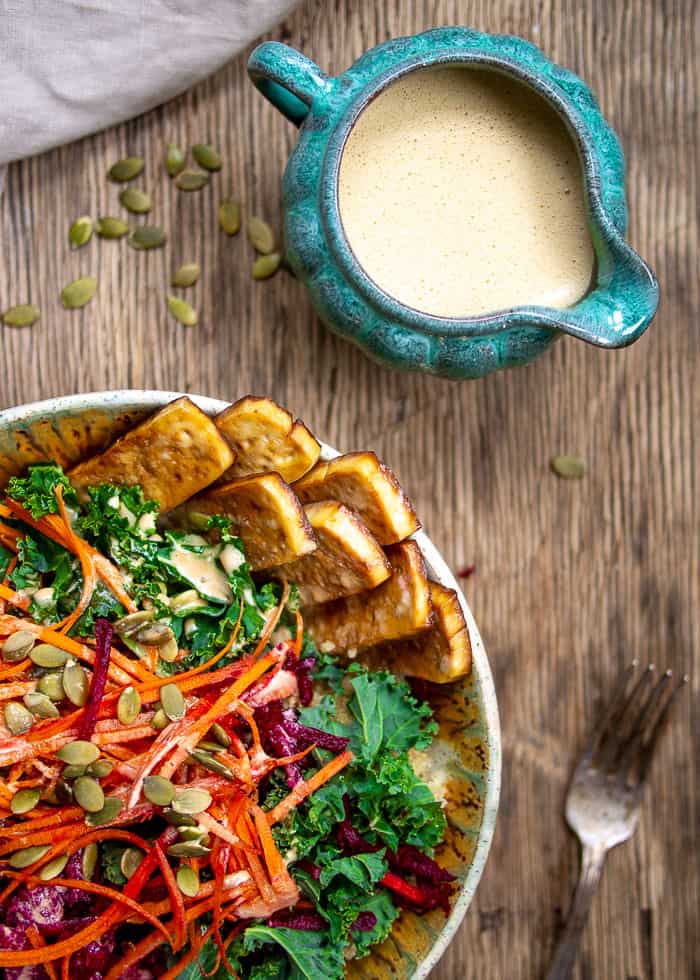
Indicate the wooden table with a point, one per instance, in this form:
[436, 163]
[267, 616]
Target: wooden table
[573, 579]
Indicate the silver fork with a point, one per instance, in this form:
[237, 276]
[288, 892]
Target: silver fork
[605, 795]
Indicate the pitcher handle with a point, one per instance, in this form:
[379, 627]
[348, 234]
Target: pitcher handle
[287, 79]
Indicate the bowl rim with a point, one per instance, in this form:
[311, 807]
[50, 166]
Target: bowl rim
[154, 399]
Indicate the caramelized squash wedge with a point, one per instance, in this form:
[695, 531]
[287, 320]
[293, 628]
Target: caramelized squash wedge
[362, 483]
[348, 559]
[397, 609]
[265, 438]
[172, 455]
[264, 511]
[441, 655]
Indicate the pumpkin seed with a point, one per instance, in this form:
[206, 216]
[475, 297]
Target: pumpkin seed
[191, 801]
[174, 159]
[196, 833]
[209, 762]
[186, 275]
[182, 311]
[207, 156]
[261, 236]
[80, 232]
[78, 753]
[169, 651]
[109, 812]
[179, 819]
[47, 655]
[160, 720]
[18, 646]
[135, 200]
[155, 634]
[88, 794]
[146, 237]
[53, 868]
[172, 702]
[191, 180]
[125, 169]
[73, 771]
[100, 769]
[40, 705]
[111, 228]
[130, 860]
[17, 718]
[217, 732]
[188, 848]
[25, 800]
[79, 292]
[63, 793]
[44, 597]
[76, 684]
[568, 467]
[52, 686]
[28, 855]
[22, 315]
[89, 861]
[209, 746]
[230, 217]
[133, 622]
[266, 265]
[158, 790]
[187, 881]
[128, 706]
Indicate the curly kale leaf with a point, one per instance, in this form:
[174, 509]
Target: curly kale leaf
[37, 490]
[311, 955]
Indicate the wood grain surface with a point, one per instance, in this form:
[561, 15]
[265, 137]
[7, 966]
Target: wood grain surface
[573, 579]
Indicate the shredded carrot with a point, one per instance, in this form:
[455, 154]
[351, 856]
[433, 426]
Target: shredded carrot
[14, 598]
[272, 622]
[176, 898]
[37, 941]
[177, 969]
[17, 668]
[304, 788]
[299, 635]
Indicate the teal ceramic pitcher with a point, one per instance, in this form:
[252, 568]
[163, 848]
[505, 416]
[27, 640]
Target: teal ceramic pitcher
[623, 294]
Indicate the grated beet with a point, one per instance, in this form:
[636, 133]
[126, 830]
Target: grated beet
[303, 669]
[103, 651]
[409, 858]
[308, 921]
[307, 736]
[365, 922]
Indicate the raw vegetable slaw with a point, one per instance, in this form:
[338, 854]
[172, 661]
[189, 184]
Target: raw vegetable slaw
[189, 787]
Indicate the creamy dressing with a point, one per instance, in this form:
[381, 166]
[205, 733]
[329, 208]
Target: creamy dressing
[202, 573]
[461, 193]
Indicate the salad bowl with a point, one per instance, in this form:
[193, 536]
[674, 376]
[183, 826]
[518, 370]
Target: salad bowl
[463, 764]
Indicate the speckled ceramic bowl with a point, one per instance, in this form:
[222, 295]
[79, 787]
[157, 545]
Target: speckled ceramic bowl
[468, 748]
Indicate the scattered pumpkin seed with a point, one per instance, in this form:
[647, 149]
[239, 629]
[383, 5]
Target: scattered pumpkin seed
[48, 656]
[109, 812]
[172, 702]
[207, 156]
[174, 159]
[160, 720]
[17, 718]
[568, 467]
[78, 753]
[133, 622]
[89, 861]
[44, 597]
[158, 790]
[230, 217]
[23, 315]
[76, 684]
[179, 819]
[25, 800]
[209, 746]
[100, 769]
[266, 265]
[88, 794]
[221, 736]
[186, 275]
[191, 180]
[40, 705]
[130, 860]
[109, 227]
[191, 801]
[196, 833]
[182, 311]
[80, 232]
[146, 237]
[18, 646]
[52, 686]
[73, 771]
[188, 848]
[154, 634]
[209, 762]
[28, 855]
[261, 236]
[53, 868]
[188, 881]
[79, 292]
[169, 651]
[135, 200]
[125, 169]
[128, 706]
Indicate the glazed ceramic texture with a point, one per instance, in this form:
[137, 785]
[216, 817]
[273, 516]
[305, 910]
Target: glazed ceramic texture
[468, 746]
[613, 313]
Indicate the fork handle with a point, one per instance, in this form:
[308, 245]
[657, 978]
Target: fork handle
[592, 860]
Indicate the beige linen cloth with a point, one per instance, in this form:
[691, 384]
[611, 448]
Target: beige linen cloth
[70, 67]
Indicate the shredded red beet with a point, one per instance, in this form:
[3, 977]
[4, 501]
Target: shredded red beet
[302, 669]
[308, 736]
[308, 921]
[423, 897]
[103, 651]
[365, 922]
[466, 572]
[314, 870]
[409, 859]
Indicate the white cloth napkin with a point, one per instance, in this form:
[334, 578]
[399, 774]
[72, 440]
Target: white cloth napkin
[70, 67]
